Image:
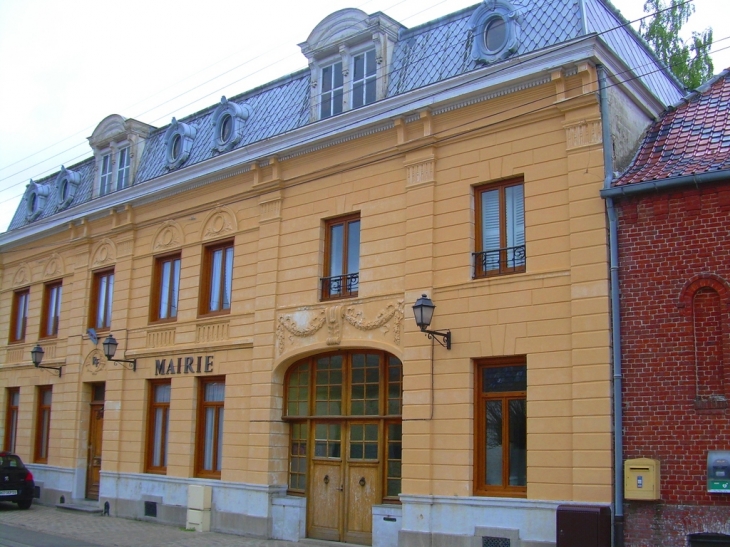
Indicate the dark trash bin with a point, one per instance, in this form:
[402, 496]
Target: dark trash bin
[583, 526]
[709, 540]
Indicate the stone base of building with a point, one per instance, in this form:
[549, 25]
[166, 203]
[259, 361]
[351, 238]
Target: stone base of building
[507, 537]
[244, 509]
[465, 521]
[651, 524]
[420, 521]
[54, 483]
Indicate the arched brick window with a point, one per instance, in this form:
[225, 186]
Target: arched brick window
[707, 315]
[705, 298]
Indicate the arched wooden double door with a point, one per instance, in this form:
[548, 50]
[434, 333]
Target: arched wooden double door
[344, 411]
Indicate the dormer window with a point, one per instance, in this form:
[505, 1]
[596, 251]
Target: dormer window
[66, 184]
[496, 26]
[179, 143]
[35, 200]
[228, 122]
[349, 52]
[118, 144]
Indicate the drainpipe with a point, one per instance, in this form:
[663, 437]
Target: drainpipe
[618, 449]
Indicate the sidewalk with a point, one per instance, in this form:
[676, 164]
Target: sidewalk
[117, 532]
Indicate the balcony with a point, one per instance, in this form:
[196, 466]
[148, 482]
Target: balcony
[499, 261]
[340, 286]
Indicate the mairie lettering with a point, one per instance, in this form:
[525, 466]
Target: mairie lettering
[184, 365]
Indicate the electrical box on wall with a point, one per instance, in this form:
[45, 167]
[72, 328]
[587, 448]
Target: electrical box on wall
[718, 471]
[641, 479]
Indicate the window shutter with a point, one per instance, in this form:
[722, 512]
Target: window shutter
[490, 220]
[515, 216]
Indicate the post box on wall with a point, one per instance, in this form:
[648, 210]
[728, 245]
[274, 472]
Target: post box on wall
[641, 479]
[718, 471]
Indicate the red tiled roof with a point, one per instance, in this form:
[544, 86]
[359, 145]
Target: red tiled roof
[694, 138]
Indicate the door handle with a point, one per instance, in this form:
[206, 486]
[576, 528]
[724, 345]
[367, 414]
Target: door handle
[326, 479]
[341, 488]
[362, 481]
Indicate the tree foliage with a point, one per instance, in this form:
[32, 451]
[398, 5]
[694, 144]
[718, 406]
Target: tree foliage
[689, 60]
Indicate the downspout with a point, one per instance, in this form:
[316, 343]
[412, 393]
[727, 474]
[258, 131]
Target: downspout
[618, 449]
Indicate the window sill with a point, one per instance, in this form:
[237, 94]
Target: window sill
[343, 297]
[209, 314]
[156, 471]
[498, 273]
[501, 493]
[213, 476]
[154, 322]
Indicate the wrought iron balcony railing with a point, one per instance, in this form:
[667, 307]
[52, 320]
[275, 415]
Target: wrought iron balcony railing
[499, 261]
[340, 286]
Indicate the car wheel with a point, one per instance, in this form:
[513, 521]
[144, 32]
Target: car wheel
[25, 504]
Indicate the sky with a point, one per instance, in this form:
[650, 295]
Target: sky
[65, 66]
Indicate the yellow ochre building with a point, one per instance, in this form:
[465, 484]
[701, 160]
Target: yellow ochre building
[257, 265]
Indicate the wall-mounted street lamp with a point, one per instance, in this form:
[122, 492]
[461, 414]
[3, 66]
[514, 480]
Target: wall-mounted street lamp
[110, 348]
[423, 310]
[36, 355]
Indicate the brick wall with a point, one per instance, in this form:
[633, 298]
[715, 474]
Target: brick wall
[675, 304]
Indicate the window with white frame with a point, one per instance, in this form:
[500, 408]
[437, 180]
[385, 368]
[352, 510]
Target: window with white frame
[363, 78]
[105, 182]
[331, 100]
[123, 168]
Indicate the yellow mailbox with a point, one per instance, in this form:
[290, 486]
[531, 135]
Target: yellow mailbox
[641, 479]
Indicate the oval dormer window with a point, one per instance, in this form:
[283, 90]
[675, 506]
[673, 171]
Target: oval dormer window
[178, 143]
[66, 184]
[35, 200]
[63, 191]
[495, 34]
[176, 147]
[228, 122]
[226, 128]
[496, 26]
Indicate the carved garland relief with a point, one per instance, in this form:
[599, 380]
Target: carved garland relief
[22, 276]
[220, 221]
[105, 254]
[54, 267]
[333, 317]
[169, 236]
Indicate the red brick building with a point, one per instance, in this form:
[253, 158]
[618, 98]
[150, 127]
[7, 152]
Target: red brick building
[673, 206]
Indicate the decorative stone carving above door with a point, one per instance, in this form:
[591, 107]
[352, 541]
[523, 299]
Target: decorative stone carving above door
[306, 323]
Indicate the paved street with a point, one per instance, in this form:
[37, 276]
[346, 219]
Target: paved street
[38, 526]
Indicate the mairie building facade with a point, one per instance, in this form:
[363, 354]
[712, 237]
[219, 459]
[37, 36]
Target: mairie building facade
[257, 264]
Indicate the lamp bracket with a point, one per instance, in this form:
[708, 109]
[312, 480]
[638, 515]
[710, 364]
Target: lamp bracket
[130, 364]
[435, 334]
[58, 369]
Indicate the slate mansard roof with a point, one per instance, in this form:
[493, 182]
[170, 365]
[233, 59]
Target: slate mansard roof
[423, 56]
[690, 139]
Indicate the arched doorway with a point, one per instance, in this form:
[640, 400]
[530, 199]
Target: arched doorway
[344, 414]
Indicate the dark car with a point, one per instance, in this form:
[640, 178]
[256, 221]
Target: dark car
[16, 482]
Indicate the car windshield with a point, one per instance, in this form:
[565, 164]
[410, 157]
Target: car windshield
[10, 461]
